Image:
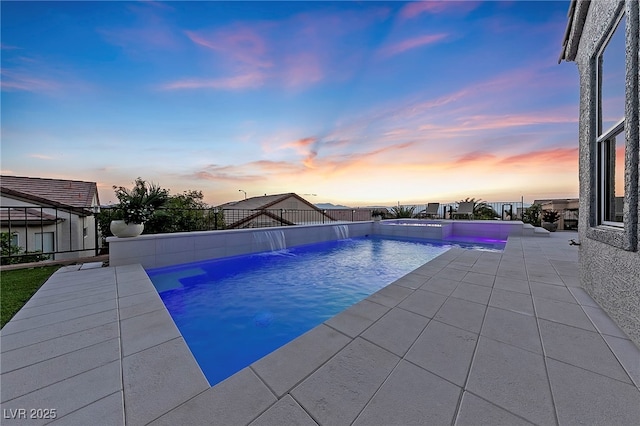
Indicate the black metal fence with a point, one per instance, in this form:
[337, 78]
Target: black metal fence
[50, 233]
[32, 234]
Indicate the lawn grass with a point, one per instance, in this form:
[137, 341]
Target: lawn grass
[17, 287]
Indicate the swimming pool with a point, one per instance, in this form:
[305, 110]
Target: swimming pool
[234, 311]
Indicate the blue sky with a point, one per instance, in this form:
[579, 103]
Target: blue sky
[357, 102]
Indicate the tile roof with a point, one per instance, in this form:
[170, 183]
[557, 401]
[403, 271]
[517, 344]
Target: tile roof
[26, 214]
[57, 192]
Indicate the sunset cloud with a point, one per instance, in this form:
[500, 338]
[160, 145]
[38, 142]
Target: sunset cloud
[23, 81]
[239, 82]
[409, 44]
[557, 157]
[415, 9]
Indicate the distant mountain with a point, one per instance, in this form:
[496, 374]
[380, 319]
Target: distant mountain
[329, 206]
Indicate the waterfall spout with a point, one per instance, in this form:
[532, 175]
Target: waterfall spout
[342, 232]
[270, 240]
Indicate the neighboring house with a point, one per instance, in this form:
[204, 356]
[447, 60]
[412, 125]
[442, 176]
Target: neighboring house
[272, 210]
[351, 215]
[568, 209]
[49, 215]
[602, 39]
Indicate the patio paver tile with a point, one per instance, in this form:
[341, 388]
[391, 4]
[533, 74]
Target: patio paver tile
[285, 412]
[422, 302]
[42, 351]
[40, 300]
[461, 313]
[385, 331]
[129, 288]
[68, 395]
[36, 376]
[583, 397]
[340, 389]
[562, 312]
[472, 292]
[451, 274]
[512, 328]
[628, 354]
[582, 297]
[30, 312]
[59, 316]
[550, 291]
[512, 284]
[390, 295]
[603, 323]
[147, 330]
[512, 378]
[450, 357]
[476, 411]
[236, 401]
[104, 412]
[283, 369]
[512, 301]
[479, 279]
[159, 378]
[53, 331]
[440, 285]
[581, 348]
[138, 304]
[357, 318]
[411, 280]
[411, 396]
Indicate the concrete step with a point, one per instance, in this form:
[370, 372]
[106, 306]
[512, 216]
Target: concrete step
[529, 230]
[541, 232]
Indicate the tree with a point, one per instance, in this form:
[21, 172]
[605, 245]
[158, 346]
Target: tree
[532, 215]
[182, 212]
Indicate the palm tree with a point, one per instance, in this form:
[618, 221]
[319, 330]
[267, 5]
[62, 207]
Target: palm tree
[481, 209]
[399, 211]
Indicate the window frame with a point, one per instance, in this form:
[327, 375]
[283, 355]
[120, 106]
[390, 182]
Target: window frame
[620, 235]
[604, 152]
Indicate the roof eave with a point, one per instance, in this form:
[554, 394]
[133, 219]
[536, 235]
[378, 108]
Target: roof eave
[576, 16]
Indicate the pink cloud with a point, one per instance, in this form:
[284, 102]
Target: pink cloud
[241, 45]
[417, 8]
[21, 81]
[410, 44]
[555, 156]
[302, 69]
[239, 82]
[474, 157]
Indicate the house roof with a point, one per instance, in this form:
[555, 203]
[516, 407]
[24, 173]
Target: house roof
[54, 192]
[264, 202]
[244, 211]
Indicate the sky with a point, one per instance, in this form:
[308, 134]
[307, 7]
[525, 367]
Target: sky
[354, 103]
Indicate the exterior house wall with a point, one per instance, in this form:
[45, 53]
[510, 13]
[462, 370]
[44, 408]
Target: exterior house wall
[68, 231]
[609, 257]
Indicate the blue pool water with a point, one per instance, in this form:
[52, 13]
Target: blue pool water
[234, 311]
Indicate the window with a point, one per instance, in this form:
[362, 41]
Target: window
[14, 240]
[85, 232]
[610, 128]
[44, 242]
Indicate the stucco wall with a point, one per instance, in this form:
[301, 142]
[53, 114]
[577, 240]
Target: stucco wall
[609, 258]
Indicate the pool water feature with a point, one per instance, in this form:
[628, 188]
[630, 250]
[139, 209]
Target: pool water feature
[233, 311]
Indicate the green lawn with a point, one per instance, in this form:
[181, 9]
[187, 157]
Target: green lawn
[17, 286]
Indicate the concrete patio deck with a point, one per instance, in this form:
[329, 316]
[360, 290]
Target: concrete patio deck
[468, 338]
